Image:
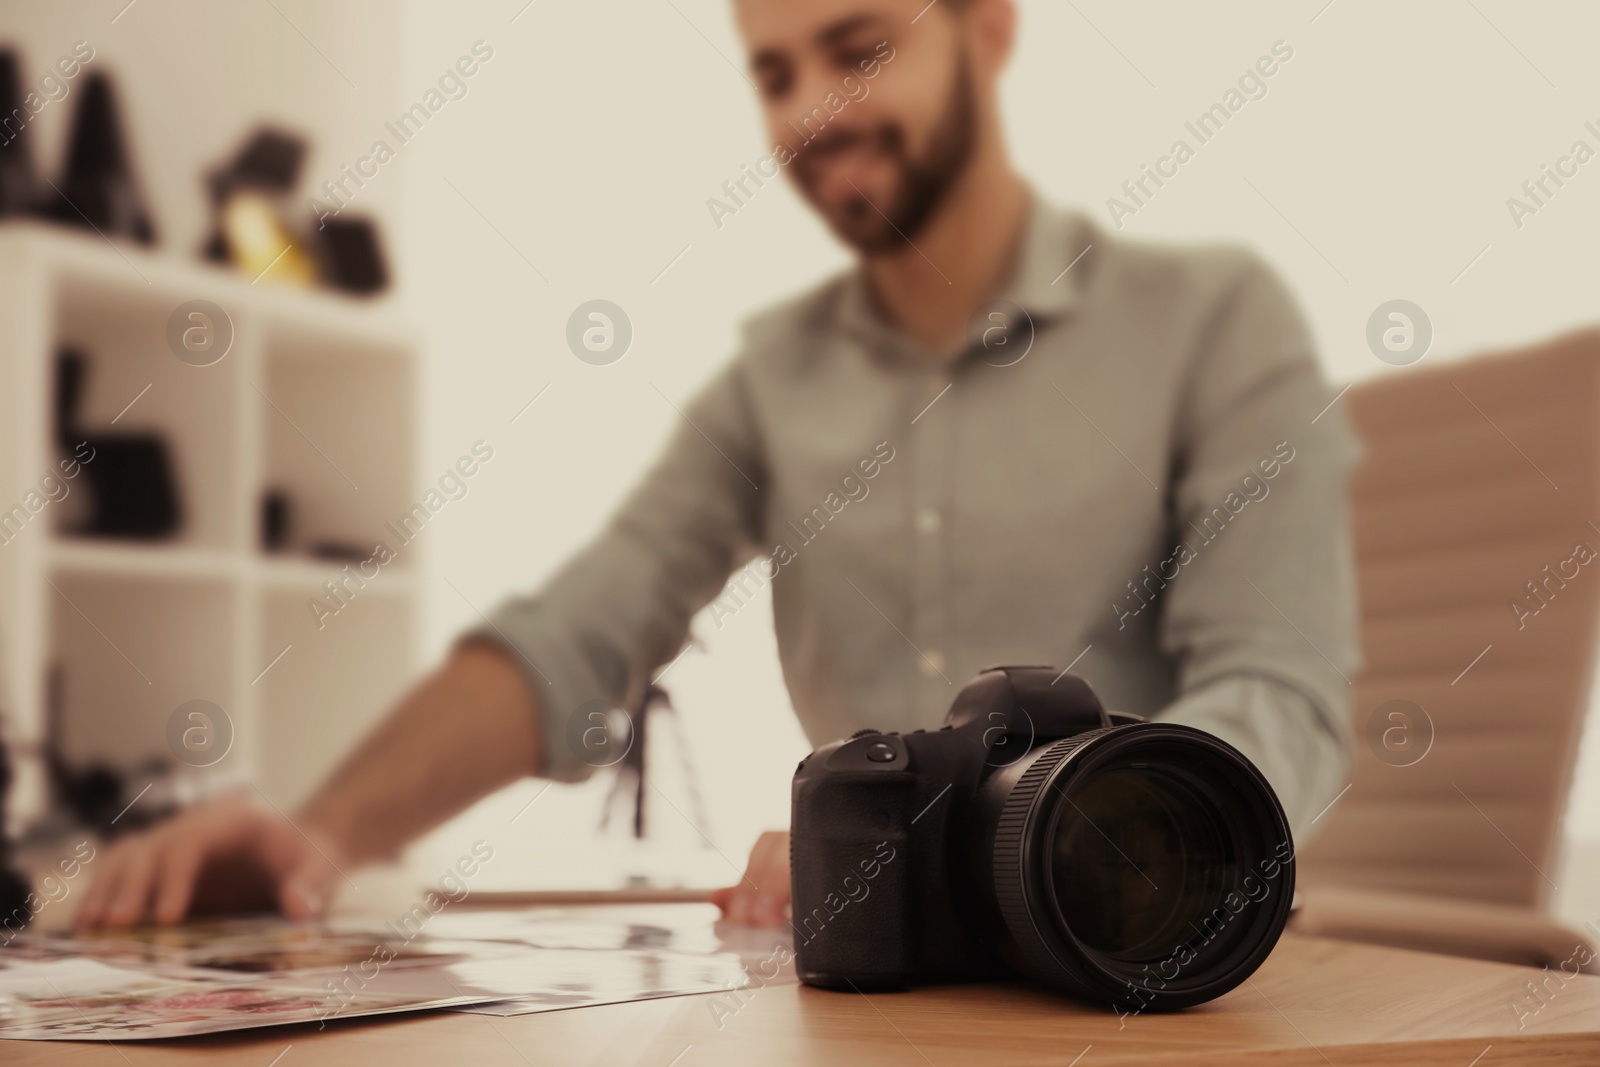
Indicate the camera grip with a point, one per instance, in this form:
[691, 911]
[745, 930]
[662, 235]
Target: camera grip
[851, 882]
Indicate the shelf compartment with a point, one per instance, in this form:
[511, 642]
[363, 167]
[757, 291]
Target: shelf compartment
[337, 417]
[134, 384]
[125, 651]
[331, 686]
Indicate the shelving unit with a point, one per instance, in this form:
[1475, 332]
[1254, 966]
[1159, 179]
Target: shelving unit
[316, 399]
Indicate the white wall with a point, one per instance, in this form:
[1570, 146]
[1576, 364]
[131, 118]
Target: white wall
[599, 181]
[1390, 140]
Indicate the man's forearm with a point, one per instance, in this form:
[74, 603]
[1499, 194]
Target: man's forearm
[465, 731]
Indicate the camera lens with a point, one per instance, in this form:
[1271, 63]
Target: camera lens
[1148, 864]
[1135, 857]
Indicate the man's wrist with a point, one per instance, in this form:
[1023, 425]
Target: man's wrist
[361, 810]
[331, 835]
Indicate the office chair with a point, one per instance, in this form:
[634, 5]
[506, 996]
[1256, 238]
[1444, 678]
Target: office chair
[1477, 496]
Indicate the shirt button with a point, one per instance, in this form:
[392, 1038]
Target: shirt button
[931, 663]
[928, 520]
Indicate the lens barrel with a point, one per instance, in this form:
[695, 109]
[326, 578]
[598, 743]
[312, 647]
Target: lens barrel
[1147, 865]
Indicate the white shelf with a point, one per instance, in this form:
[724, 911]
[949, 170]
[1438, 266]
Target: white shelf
[289, 573]
[82, 556]
[111, 267]
[86, 557]
[318, 391]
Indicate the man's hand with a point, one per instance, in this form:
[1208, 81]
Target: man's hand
[238, 854]
[463, 732]
[762, 896]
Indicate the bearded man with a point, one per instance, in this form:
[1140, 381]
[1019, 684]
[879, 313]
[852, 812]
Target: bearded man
[1003, 437]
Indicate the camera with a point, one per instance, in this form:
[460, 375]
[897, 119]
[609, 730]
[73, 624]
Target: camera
[1137, 864]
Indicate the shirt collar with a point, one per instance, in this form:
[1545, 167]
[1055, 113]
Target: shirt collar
[1047, 279]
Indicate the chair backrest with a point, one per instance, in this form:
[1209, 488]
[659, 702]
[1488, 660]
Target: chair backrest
[1477, 538]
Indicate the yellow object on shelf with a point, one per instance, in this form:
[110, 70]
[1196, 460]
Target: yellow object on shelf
[260, 246]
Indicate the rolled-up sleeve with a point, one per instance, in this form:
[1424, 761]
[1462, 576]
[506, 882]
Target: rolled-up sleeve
[621, 607]
[1282, 732]
[1262, 621]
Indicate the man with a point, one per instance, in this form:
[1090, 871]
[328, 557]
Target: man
[1005, 438]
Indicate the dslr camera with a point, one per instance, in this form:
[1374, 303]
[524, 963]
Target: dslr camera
[1140, 865]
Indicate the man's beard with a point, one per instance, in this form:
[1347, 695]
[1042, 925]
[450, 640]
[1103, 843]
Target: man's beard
[887, 225]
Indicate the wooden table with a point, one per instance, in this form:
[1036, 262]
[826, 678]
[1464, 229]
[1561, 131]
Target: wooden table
[1315, 1002]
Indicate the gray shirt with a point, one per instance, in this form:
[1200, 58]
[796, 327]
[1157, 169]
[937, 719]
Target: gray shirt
[1132, 470]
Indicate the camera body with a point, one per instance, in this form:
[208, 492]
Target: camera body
[929, 856]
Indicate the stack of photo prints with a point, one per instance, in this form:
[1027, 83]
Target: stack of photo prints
[203, 978]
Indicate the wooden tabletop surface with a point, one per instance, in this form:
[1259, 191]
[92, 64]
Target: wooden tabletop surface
[1315, 1002]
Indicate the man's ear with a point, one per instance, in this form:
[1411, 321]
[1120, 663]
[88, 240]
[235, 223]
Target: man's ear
[992, 25]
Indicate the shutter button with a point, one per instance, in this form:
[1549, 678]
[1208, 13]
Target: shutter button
[880, 753]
